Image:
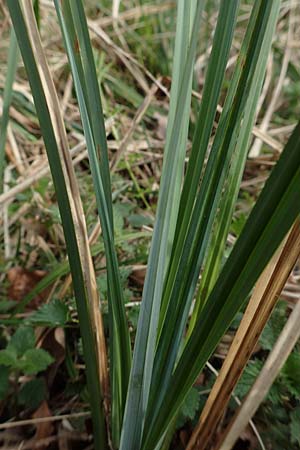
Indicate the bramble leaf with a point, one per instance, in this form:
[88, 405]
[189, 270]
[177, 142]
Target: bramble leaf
[51, 314]
[22, 340]
[34, 360]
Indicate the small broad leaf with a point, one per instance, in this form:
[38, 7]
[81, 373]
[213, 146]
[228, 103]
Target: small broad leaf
[102, 284]
[189, 407]
[52, 314]
[191, 404]
[273, 327]
[8, 357]
[138, 220]
[22, 340]
[248, 378]
[32, 393]
[118, 220]
[34, 361]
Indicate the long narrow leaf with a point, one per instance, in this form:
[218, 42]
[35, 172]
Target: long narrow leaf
[12, 61]
[93, 104]
[211, 92]
[238, 160]
[120, 339]
[185, 14]
[141, 373]
[271, 218]
[54, 137]
[192, 243]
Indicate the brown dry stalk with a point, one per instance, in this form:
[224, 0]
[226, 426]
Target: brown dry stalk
[264, 125]
[275, 361]
[73, 192]
[136, 120]
[261, 304]
[26, 422]
[103, 36]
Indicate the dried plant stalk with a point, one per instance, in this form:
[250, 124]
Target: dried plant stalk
[276, 359]
[261, 304]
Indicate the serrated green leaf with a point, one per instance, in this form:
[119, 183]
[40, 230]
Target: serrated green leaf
[248, 377]
[102, 285]
[34, 361]
[32, 393]
[189, 407]
[8, 357]
[22, 340]
[273, 327]
[118, 220]
[51, 314]
[275, 394]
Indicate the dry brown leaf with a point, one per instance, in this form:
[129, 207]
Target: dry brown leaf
[43, 429]
[53, 341]
[22, 281]
[138, 276]
[259, 308]
[161, 130]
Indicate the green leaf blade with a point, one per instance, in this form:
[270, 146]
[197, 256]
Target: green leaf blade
[67, 221]
[143, 359]
[268, 223]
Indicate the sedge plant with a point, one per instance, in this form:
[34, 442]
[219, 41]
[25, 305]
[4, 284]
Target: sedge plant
[182, 316]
